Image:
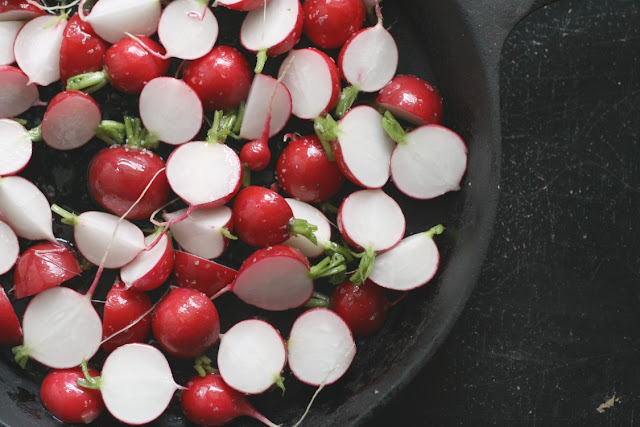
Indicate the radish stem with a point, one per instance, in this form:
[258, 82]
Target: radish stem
[21, 355]
[88, 82]
[332, 248]
[223, 127]
[327, 130]
[67, 217]
[111, 132]
[304, 228]
[226, 233]
[202, 365]
[35, 134]
[92, 383]
[318, 300]
[261, 59]
[329, 266]
[364, 268]
[394, 128]
[437, 230]
[279, 382]
[347, 98]
[138, 136]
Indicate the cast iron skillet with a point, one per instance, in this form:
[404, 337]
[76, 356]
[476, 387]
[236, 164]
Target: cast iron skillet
[455, 44]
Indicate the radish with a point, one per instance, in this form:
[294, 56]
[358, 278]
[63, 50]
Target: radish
[268, 103]
[170, 110]
[205, 232]
[272, 30]
[10, 330]
[210, 401]
[242, 5]
[127, 317]
[410, 264]
[320, 347]
[150, 268]
[252, 356]
[362, 147]
[70, 121]
[208, 277]
[112, 19]
[81, 50]
[429, 161]
[313, 81]
[8, 33]
[314, 216]
[37, 48]
[9, 248]
[17, 10]
[66, 400]
[19, 196]
[43, 266]
[412, 99]
[15, 146]
[329, 23]
[187, 29]
[364, 308]
[185, 323]
[256, 155]
[18, 94]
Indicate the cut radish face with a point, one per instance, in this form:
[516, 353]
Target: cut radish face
[170, 110]
[187, 29]
[9, 248]
[206, 276]
[136, 383]
[150, 268]
[70, 121]
[61, 328]
[25, 209]
[10, 330]
[321, 347]
[370, 219]
[256, 112]
[313, 81]
[15, 146]
[410, 264]
[17, 94]
[111, 19]
[201, 233]
[204, 174]
[8, 32]
[18, 10]
[243, 5]
[312, 215]
[37, 49]
[252, 356]
[412, 99]
[277, 27]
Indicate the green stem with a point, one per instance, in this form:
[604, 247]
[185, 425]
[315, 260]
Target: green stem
[23, 122]
[327, 130]
[347, 97]
[303, 228]
[21, 355]
[332, 248]
[438, 229]
[329, 266]
[111, 132]
[222, 128]
[394, 128]
[202, 365]
[261, 59]
[88, 82]
[137, 135]
[226, 233]
[328, 207]
[318, 300]
[364, 268]
[35, 134]
[67, 217]
[92, 383]
[279, 382]
[239, 117]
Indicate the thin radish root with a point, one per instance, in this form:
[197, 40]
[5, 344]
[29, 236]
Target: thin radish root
[147, 48]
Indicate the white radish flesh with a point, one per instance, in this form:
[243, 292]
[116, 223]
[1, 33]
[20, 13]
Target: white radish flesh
[321, 347]
[111, 19]
[431, 161]
[371, 219]
[25, 209]
[9, 248]
[251, 357]
[204, 173]
[15, 147]
[266, 27]
[18, 12]
[17, 94]
[187, 29]
[200, 233]
[61, 328]
[312, 215]
[71, 122]
[256, 111]
[146, 261]
[37, 49]
[364, 147]
[136, 383]
[8, 32]
[170, 110]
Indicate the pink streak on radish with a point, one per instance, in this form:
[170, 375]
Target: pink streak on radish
[70, 121]
[17, 196]
[17, 94]
[8, 33]
[259, 102]
[15, 146]
[187, 29]
[112, 18]
[9, 248]
[37, 49]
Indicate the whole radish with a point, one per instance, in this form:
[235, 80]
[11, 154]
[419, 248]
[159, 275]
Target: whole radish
[152, 267]
[329, 23]
[19, 195]
[126, 318]
[10, 330]
[412, 99]
[81, 51]
[37, 48]
[70, 121]
[66, 400]
[208, 277]
[18, 93]
[9, 248]
[256, 154]
[113, 19]
[8, 33]
[364, 308]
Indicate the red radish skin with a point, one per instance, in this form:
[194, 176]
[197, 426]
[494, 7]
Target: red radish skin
[8, 33]
[208, 277]
[329, 23]
[10, 330]
[222, 78]
[43, 266]
[268, 103]
[66, 400]
[364, 308]
[112, 19]
[19, 195]
[18, 94]
[70, 121]
[81, 51]
[16, 147]
[9, 248]
[242, 5]
[118, 175]
[122, 308]
[412, 99]
[151, 268]
[185, 323]
[17, 10]
[256, 155]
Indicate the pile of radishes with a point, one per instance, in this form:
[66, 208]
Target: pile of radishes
[114, 266]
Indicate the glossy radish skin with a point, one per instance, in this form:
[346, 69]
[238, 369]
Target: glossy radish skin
[122, 308]
[70, 121]
[81, 51]
[208, 277]
[9, 248]
[43, 266]
[17, 10]
[118, 176]
[329, 23]
[256, 112]
[276, 28]
[10, 330]
[187, 29]
[222, 78]
[412, 99]
[37, 49]
[17, 196]
[256, 154]
[18, 95]
[364, 308]
[185, 323]
[112, 18]
[304, 172]
[66, 400]
[8, 33]
[15, 146]
[242, 5]
[313, 216]
[150, 268]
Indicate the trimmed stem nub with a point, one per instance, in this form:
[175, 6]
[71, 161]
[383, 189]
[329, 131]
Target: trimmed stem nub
[327, 130]
[261, 59]
[222, 128]
[437, 230]
[279, 382]
[35, 134]
[202, 365]
[21, 355]
[67, 217]
[394, 128]
[88, 82]
[318, 300]
[111, 132]
[92, 383]
[304, 228]
[364, 268]
[137, 135]
[328, 267]
[348, 97]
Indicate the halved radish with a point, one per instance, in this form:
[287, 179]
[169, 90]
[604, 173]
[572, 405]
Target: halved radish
[15, 146]
[17, 94]
[71, 120]
[321, 347]
[313, 81]
[9, 248]
[112, 19]
[150, 268]
[187, 29]
[17, 10]
[412, 99]
[256, 112]
[10, 330]
[25, 209]
[410, 264]
[171, 110]
[313, 216]
[205, 232]
[252, 356]
[8, 33]
[37, 49]
[208, 277]
[243, 5]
